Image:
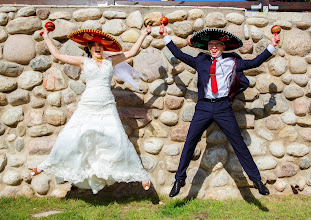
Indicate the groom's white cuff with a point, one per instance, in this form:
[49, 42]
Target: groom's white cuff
[167, 39]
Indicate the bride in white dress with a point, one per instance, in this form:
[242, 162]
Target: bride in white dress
[93, 150]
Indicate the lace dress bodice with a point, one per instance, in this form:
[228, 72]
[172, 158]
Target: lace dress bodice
[98, 83]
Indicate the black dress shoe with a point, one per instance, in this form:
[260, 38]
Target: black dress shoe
[263, 190]
[176, 188]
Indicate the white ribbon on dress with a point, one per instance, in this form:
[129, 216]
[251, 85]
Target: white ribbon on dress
[127, 73]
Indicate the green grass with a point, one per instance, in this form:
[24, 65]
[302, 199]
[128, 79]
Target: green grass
[272, 207]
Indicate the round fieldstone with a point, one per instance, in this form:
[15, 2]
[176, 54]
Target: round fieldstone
[7, 84]
[308, 178]
[77, 86]
[19, 144]
[198, 24]
[114, 27]
[42, 13]
[2, 128]
[158, 87]
[274, 122]
[171, 150]
[234, 165]
[297, 150]
[29, 79]
[62, 29]
[55, 99]
[277, 66]
[176, 90]
[149, 163]
[195, 13]
[171, 164]
[293, 91]
[287, 78]
[71, 71]
[182, 28]
[3, 143]
[277, 149]
[266, 163]
[179, 133]
[10, 69]
[16, 161]
[256, 33]
[39, 92]
[301, 79]
[26, 11]
[24, 25]
[91, 24]
[235, 18]
[213, 156]
[169, 118]
[18, 97]
[41, 145]
[280, 185]
[19, 44]
[147, 63]
[114, 14]
[216, 137]
[286, 170]
[258, 22]
[178, 15]
[42, 49]
[288, 134]
[3, 19]
[40, 63]
[12, 116]
[305, 133]
[54, 79]
[188, 111]
[173, 103]
[297, 65]
[68, 96]
[12, 178]
[304, 164]
[60, 15]
[221, 179]
[41, 184]
[3, 34]
[297, 42]
[153, 145]
[87, 14]
[301, 106]
[135, 20]
[55, 117]
[40, 130]
[3, 161]
[215, 19]
[258, 146]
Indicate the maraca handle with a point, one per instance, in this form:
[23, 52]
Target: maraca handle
[275, 34]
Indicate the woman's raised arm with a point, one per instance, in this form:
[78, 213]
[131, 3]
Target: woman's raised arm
[133, 51]
[73, 60]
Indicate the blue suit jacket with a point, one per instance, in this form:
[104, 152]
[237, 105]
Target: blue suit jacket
[203, 62]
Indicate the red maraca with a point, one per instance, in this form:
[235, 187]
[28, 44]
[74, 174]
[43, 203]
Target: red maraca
[275, 29]
[164, 22]
[50, 26]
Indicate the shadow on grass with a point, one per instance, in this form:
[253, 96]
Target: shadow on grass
[122, 193]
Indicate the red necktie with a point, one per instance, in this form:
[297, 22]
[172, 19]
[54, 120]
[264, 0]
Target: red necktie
[213, 77]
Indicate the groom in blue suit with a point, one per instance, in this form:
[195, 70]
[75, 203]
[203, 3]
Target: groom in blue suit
[220, 79]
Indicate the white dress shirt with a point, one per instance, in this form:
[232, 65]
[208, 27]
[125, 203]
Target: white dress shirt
[224, 74]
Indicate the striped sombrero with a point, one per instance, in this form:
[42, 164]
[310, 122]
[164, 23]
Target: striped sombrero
[201, 38]
[85, 35]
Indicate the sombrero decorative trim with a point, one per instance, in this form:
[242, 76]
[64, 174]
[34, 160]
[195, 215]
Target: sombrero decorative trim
[84, 35]
[201, 38]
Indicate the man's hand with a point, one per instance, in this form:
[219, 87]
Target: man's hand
[275, 40]
[164, 31]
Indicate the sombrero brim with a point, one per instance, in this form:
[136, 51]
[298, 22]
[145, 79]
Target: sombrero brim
[85, 35]
[201, 38]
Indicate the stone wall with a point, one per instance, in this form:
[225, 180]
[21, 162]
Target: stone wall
[38, 95]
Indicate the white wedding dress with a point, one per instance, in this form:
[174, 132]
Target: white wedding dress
[93, 150]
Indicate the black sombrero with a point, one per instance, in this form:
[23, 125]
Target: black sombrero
[201, 38]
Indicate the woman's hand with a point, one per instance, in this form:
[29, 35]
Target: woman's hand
[147, 31]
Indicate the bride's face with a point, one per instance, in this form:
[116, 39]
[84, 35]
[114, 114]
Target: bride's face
[97, 50]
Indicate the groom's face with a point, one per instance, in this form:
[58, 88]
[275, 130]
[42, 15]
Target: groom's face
[215, 48]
